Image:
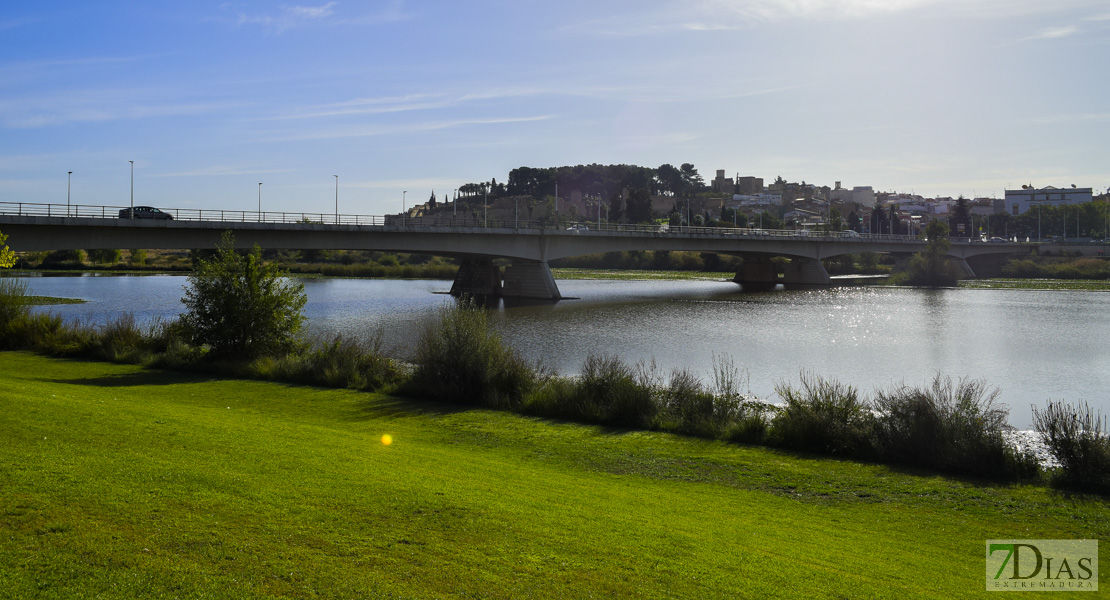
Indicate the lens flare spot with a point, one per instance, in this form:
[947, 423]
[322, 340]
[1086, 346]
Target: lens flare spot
[387, 439]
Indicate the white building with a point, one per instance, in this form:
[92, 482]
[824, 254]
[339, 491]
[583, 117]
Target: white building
[1019, 201]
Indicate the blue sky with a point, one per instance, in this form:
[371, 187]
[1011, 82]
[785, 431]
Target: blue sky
[937, 97]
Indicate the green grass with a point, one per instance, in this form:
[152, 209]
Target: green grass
[1099, 285]
[120, 482]
[50, 300]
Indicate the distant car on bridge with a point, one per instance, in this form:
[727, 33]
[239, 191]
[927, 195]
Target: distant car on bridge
[145, 212]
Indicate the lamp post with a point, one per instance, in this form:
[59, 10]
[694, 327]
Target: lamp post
[259, 201]
[69, 181]
[485, 208]
[455, 203]
[336, 199]
[403, 192]
[132, 213]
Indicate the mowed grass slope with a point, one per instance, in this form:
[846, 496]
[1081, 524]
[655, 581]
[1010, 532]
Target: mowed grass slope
[119, 482]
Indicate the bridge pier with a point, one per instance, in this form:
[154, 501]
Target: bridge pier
[805, 271]
[530, 279]
[757, 273]
[477, 278]
[523, 279]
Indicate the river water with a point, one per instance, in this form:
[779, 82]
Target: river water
[1034, 346]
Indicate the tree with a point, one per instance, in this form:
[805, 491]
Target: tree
[7, 257]
[691, 178]
[960, 221]
[239, 307]
[933, 268]
[638, 207]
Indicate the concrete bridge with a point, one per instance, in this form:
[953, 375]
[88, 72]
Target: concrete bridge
[528, 246]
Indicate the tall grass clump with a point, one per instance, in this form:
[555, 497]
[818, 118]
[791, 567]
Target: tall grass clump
[340, 362]
[694, 410]
[460, 358]
[1078, 439]
[956, 427]
[823, 416]
[13, 308]
[612, 392]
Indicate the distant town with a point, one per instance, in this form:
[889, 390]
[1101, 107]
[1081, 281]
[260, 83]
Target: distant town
[634, 194]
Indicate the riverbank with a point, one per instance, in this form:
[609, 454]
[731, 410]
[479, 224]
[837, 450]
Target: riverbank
[126, 482]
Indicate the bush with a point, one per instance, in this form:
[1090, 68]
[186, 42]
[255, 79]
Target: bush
[611, 392]
[461, 359]
[957, 428]
[13, 302]
[104, 256]
[136, 257]
[60, 258]
[1078, 440]
[340, 362]
[823, 416]
[240, 308]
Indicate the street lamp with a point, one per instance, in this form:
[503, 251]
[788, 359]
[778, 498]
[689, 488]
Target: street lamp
[131, 215]
[259, 201]
[455, 203]
[403, 192]
[69, 181]
[336, 199]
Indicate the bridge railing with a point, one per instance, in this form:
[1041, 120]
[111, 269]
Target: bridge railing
[34, 209]
[467, 221]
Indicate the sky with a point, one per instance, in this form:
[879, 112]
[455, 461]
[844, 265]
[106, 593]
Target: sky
[209, 99]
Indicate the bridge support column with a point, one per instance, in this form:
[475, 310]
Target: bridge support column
[966, 268]
[805, 271]
[530, 279]
[477, 278]
[758, 273]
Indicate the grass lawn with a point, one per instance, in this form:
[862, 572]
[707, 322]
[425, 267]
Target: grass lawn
[119, 482]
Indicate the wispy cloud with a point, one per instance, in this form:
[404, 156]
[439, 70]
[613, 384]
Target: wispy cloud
[98, 106]
[288, 17]
[292, 17]
[6, 24]
[371, 131]
[1072, 118]
[219, 170]
[676, 16]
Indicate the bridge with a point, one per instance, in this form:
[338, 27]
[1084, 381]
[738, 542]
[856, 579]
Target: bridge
[477, 243]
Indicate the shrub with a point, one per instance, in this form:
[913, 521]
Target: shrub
[108, 256]
[611, 392]
[13, 302]
[462, 359]
[957, 428]
[340, 362]
[240, 308]
[136, 257]
[1078, 440]
[823, 416]
[59, 258]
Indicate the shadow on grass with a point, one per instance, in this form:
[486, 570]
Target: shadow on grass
[379, 405]
[136, 379]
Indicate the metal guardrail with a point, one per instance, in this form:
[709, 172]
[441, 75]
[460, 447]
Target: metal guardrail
[33, 209]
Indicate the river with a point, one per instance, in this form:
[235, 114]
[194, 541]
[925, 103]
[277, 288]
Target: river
[1034, 346]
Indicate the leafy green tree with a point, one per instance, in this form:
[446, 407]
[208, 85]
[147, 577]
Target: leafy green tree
[933, 268]
[638, 208]
[961, 215]
[239, 307]
[7, 257]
